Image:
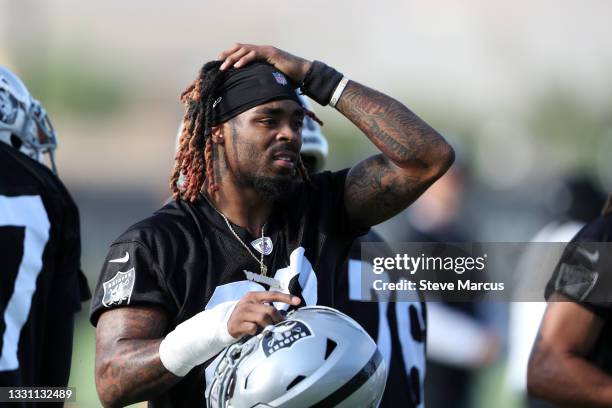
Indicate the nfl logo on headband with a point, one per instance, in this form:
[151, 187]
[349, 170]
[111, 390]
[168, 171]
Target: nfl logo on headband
[280, 78]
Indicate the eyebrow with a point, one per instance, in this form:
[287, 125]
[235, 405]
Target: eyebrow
[278, 111]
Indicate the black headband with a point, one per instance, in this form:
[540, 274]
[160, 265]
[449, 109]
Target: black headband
[253, 85]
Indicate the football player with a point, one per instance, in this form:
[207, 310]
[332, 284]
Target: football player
[181, 285]
[42, 285]
[402, 350]
[571, 360]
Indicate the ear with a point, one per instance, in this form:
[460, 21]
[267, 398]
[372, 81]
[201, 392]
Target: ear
[217, 134]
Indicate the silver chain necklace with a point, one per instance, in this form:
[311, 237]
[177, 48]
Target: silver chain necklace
[263, 269]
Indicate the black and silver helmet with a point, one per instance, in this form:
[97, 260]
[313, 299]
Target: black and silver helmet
[24, 123]
[317, 357]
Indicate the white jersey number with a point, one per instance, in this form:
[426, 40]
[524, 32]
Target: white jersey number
[413, 352]
[28, 212]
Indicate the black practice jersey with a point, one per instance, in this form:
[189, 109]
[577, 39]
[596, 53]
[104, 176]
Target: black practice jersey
[399, 329]
[41, 284]
[185, 259]
[584, 274]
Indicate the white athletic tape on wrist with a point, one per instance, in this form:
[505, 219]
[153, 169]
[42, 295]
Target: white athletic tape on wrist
[197, 339]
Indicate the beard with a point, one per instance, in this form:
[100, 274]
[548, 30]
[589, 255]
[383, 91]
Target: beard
[270, 188]
[274, 189]
[277, 189]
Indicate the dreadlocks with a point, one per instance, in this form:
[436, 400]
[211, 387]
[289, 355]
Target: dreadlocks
[195, 153]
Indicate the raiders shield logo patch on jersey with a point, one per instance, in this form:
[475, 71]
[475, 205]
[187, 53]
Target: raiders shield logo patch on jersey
[284, 335]
[118, 290]
[575, 281]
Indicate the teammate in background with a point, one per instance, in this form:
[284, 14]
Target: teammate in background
[403, 349]
[181, 285]
[571, 360]
[41, 283]
[574, 202]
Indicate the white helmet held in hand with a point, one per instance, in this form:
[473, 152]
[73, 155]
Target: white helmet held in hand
[24, 124]
[317, 357]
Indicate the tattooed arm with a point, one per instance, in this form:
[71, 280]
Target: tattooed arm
[414, 156]
[130, 349]
[128, 368]
[558, 369]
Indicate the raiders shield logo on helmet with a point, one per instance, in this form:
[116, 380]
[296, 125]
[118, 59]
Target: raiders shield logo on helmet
[118, 290]
[284, 335]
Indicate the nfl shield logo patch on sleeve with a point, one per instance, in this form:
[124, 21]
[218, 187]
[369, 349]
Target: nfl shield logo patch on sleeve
[118, 290]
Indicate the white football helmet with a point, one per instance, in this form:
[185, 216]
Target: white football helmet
[314, 143]
[24, 123]
[317, 357]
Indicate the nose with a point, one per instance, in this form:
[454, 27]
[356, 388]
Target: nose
[287, 133]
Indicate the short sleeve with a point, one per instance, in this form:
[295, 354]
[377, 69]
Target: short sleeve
[584, 275]
[129, 277]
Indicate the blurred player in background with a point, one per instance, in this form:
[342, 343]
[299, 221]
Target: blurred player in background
[571, 360]
[573, 202]
[399, 328]
[42, 285]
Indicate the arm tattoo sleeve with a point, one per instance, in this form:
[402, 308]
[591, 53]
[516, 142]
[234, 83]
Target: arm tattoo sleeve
[413, 156]
[128, 368]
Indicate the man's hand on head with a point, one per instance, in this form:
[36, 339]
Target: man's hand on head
[240, 55]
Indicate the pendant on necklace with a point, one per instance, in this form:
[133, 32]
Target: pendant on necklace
[264, 270]
[263, 245]
[271, 282]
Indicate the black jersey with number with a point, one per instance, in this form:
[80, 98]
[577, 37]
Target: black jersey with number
[584, 274]
[41, 284]
[185, 259]
[399, 328]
